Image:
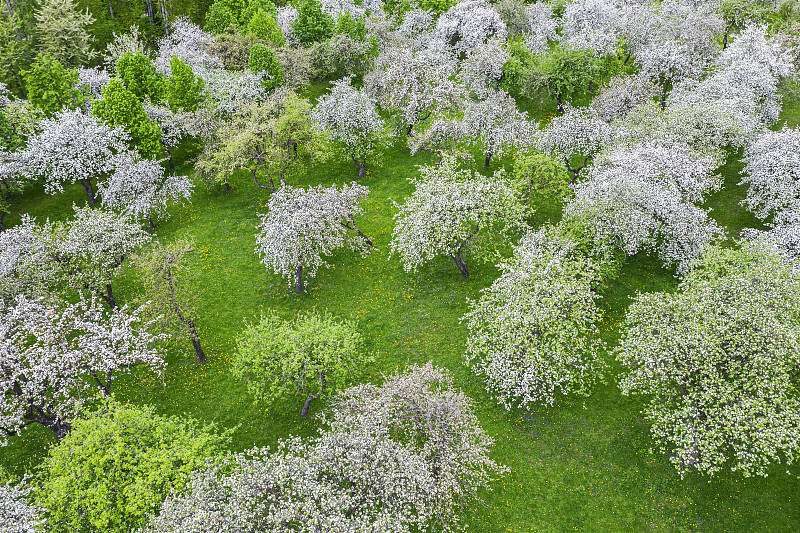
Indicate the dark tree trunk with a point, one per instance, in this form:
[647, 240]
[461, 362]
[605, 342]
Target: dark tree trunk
[576, 171]
[627, 58]
[408, 130]
[664, 85]
[725, 40]
[111, 10]
[352, 227]
[150, 225]
[165, 17]
[560, 104]
[362, 167]
[37, 415]
[591, 86]
[60, 428]
[150, 13]
[2, 216]
[306, 405]
[255, 180]
[298, 280]
[87, 185]
[108, 297]
[488, 160]
[171, 162]
[462, 266]
[198, 350]
[227, 187]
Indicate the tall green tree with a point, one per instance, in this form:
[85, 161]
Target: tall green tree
[262, 59]
[563, 73]
[184, 89]
[312, 25]
[139, 75]
[51, 87]
[120, 107]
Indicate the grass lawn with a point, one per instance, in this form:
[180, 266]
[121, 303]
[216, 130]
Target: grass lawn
[584, 464]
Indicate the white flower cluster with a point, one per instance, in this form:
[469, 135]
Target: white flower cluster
[302, 225]
[642, 198]
[783, 236]
[772, 173]
[140, 189]
[229, 91]
[414, 84]
[717, 361]
[349, 117]
[622, 94]
[92, 80]
[286, 17]
[532, 332]
[483, 67]
[592, 25]
[72, 146]
[19, 515]
[469, 23]
[402, 457]
[187, 41]
[26, 260]
[451, 209]
[496, 125]
[58, 356]
[541, 27]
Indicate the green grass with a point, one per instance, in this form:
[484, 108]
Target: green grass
[582, 465]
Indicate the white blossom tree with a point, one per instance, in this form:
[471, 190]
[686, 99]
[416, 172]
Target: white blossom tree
[578, 133]
[451, 210]
[89, 249]
[92, 80]
[406, 456]
[413, 84]
[72, 147]
[482, 69]
[541, 27]
[186, 41]
[19, 514]
[496, 125]
[718, 362]
[349, 117]
[302, 225]
[783, 236]
[26, 260]
[443, 135]
[533, 332]
[56, 357]
[644, 200]
[140, 189]
[469, 23]
[772, 172]
[592, 25]
[622, 94]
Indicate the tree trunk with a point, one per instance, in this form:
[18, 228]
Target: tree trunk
[150, 225]
[87, 185]
[462, 266]
[306, 405]
[171, 162]
[108, 297]
[198, 350]
[408, 130]
[362, 167]
[664, 85]
[255, 180]
[111, 10]
[60, 428]
[150, 13]
[591, 86]
[352, 227]
[560, 104]
[725, 40]
[164, 17]
[298, 281]
[2, 216]
[488, 159]
[228, 187]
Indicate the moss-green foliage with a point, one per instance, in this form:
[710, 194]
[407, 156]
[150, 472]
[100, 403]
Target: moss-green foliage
[120, 107]
[139, 75]
[220, 19]
[563, 73]
[538, 174]
[51, 86]
[118, 464]
[347, 25]
[184, 90]
[262, 59]
[309, 356]
[581, 465]
[311, 24]
[264, 26]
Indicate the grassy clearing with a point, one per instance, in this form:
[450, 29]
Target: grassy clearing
[582, 465]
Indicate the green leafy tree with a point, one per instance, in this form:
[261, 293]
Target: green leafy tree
[563, 73]
[262, 59]
[170, 290]
[139, 75]
[15, 52]
[51, 87]
[737, 13]
[310, 356]
[220, 19]
[183, 88]
[120, 107]
[116, 466]
[264, 26]
[312, 24]
[538, 174]
[63, 31]
[347, 25]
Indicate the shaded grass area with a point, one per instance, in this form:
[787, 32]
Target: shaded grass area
[585, 464]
